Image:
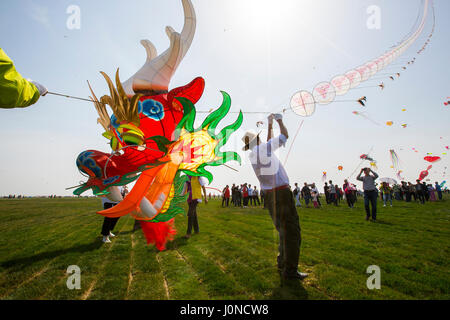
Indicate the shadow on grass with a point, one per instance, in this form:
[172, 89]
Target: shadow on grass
[27, 261]
[178, 242]
[383, 222]
[292, 290]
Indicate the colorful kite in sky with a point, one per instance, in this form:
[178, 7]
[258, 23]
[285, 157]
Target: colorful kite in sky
[366, 157]
[432, 159]
[304, 103]
[395, 163]
[424, 173]
[153, 139]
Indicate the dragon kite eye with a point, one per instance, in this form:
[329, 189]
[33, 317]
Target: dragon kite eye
[132, 138]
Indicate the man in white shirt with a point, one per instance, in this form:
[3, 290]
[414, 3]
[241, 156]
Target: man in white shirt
[250, 195]
[255, 196]
[280, 200]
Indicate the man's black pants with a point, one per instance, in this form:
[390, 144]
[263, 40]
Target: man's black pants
[225, 201]
[108, 223]
[285, 218]
[421, 196]
[192, 218]
[371, 197]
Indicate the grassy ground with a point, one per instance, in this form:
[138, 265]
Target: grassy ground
[233, 257]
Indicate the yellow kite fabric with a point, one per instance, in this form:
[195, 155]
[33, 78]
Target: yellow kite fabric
[15, 91]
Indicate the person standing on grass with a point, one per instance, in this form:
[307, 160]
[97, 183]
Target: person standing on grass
[195, 186]
[338, 193]
[386, 193]
[333, 195]
[109, 201]
[306, 194]
[226, 196]
[326, 191]
[278, 196]
[250, 195]
[420, 192]
[262, 196]
[431, 192]
[296, 193]
[315, 196]
[238, 196]
[233, 194]
[349, 194]
[245, 195]
[370, 191]
[406, 191]
[314, 187]
[438, 190]
[425, 191]
[412, 191]
[397, 192]
[255, 196]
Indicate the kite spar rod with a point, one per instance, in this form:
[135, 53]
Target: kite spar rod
[67, 96]
[360, 164]
[292, 144]
[198, 111]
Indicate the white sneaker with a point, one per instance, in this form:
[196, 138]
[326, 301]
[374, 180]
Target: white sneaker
[106, 239]
[111, 234]
[384, 205]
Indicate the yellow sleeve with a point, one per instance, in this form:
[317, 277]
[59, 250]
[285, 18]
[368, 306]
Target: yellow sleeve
[15, 91]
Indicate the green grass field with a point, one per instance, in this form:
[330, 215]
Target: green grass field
[233, 257]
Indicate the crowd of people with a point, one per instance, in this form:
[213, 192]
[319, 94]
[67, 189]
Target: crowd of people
[245, 195]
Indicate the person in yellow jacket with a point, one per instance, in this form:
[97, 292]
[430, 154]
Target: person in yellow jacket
[195, 186]
[15, 91]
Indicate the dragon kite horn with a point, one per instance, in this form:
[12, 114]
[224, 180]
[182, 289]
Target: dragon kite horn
[154, 76]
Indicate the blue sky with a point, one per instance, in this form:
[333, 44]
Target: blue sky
[260, 52]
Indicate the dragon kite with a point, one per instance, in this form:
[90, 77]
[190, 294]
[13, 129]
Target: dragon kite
[153, 140]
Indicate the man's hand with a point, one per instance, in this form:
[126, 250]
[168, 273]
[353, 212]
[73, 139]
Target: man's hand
[277, 116]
